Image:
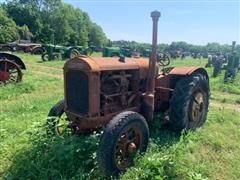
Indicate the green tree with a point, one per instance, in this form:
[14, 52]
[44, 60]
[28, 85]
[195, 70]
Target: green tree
[97, 36]
[8, 28]
[24, 32]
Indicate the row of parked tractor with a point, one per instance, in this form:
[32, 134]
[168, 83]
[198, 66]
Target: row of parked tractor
[229, 62]
[48, 52]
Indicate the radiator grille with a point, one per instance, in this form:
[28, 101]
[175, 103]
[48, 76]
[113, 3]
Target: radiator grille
[77, 92]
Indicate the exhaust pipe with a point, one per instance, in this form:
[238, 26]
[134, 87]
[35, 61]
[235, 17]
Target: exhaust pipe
[148, 101]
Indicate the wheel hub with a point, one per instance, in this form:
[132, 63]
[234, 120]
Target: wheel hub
[196, 108]
[127, 146]
[131, 148]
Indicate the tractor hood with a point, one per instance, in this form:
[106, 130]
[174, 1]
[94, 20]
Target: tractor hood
[92, 64]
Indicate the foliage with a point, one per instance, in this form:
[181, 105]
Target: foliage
[8, 28]
[54, 22]
[24, 32]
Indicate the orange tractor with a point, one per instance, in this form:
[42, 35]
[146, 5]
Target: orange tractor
[122, 94]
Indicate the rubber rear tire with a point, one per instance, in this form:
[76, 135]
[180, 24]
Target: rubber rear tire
[38, 51]
[112, 135]
[182, 101]
[73, 53]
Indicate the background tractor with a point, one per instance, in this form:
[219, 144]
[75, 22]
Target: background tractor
[116, 51]
[233, 65]
[53, 52]
[23, 45]
[10, 68]
[121, 95]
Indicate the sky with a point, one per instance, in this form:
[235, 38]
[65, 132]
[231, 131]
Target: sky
[193, 21]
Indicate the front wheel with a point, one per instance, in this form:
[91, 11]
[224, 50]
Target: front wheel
[189, 103]
[125, 135]
[45, 57]
[56, 122]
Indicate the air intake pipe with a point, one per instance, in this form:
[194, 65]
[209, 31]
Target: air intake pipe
[148, 101]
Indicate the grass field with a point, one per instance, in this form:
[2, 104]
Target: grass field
[212, 152]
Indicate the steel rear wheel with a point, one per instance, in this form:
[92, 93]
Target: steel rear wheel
[10, 72]
[125, 135]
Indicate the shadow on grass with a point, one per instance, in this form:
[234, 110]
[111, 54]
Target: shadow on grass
[160, 133]
[72, 157]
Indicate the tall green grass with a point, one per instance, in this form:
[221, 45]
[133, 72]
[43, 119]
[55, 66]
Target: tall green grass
[27, 153]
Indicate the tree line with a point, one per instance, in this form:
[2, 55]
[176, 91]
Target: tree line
[48, 21]
[181, 46]
[56, 22]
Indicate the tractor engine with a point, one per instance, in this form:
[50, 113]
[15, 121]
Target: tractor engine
[118, 91]
[113, 84]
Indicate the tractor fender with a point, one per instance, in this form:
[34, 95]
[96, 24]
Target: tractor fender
[188, 70]
[13, 58]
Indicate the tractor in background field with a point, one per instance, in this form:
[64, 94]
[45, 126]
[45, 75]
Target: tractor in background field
[117, 52]
[233, 65]
[53, 52]
[121, 95]
[23, 45]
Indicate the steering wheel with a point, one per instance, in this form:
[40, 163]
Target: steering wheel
[163, 59]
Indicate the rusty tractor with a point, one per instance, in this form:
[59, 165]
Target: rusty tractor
[121, 94]
[10, 68]
[23, 45]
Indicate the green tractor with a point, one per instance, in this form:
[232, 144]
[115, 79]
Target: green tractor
[217, 65]
[111, 51]
[54, 52]
[233, 65]
[145, 53]
[116, 51]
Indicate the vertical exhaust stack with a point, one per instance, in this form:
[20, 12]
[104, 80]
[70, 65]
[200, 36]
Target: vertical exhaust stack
[233, 45]
[148, 104]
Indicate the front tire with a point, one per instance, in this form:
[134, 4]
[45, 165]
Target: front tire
[53, 120]
[189, 103]
[45, 57]
[124, 135]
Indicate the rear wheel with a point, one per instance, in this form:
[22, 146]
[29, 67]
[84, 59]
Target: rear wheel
[38, 50]
[124, 136]
[189, 103]
[10, 72]
[73, 53]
